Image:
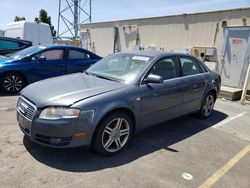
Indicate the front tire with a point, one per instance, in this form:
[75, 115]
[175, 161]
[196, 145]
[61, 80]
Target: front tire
[12, 83]
[113, 134]
[207, 106]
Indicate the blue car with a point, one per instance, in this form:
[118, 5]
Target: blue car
[40, 62]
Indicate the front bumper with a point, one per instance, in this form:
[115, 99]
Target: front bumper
[55, 133]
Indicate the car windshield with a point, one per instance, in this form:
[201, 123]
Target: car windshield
[120, 67]
[26, 52]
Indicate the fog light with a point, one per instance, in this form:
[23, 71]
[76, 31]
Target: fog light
[55, 140]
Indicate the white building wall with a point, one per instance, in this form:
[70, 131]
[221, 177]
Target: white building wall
[172, 33]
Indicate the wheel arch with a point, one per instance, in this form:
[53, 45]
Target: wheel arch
[125, 110]
[214, 92]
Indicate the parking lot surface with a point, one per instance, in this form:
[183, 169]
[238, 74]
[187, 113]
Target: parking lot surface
[184, 152]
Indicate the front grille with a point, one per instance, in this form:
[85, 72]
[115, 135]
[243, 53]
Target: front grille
[26, 108]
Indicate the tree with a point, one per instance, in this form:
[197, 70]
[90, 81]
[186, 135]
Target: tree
[44, 18]
[19, 18]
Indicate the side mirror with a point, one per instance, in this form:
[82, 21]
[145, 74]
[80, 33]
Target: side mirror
[153, 78]
[41, 58]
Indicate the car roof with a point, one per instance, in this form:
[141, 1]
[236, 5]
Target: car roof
[62, 46]
[59, 46]
[154, 53]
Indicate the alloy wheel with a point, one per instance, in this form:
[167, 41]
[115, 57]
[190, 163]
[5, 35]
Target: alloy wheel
[208, 105]
[115, 134]
[13, 83]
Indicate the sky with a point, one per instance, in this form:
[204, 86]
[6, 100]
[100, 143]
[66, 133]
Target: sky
[107, 10]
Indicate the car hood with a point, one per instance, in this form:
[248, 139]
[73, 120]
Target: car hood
[67, 90]
[5, 60]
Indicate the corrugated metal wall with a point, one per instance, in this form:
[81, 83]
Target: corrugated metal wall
[171, 33]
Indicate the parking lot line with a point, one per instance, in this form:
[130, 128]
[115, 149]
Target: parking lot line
[229, 119]
[219, 173]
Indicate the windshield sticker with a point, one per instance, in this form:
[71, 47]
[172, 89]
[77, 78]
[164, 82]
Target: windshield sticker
[142, 58]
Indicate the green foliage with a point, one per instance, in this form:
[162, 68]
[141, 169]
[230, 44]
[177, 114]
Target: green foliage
[19, 18]
[44, 18]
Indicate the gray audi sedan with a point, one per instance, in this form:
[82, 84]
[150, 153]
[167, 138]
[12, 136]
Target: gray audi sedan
[119, 95]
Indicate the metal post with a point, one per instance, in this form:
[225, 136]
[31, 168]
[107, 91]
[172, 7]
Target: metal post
[90, 11]
[244, 92]
[58, 21]
[81, 13]
[76, 17]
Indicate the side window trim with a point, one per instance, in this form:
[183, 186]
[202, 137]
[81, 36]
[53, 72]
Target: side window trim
[203, 66]
[199, 65]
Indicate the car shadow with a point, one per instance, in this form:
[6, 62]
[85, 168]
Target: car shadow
[159, 137]
[2, 94]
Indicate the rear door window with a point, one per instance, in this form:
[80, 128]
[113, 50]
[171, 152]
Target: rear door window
[189, 66]
[75, 54]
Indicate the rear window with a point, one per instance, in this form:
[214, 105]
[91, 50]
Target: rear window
[4, 45]
[75, 54]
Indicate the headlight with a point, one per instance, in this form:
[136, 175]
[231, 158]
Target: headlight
[59, 113]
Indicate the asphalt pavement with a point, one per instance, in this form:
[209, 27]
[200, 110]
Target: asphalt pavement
[184, 152]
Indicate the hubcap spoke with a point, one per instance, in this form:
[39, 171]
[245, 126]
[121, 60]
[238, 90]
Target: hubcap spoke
[108, 130]
[118, 123]
[206, 111]
[7, 84]
[206, 102]
[210, 108]
[124, 132]
[118, 143]
[8, 88]
[16, 87]
[9, 79]
[108, 143]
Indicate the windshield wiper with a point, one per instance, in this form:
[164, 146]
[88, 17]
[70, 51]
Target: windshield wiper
[103, 77]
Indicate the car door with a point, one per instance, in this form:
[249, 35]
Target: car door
[161, 101]
[78, 60]
[47, 64]
[193, 81]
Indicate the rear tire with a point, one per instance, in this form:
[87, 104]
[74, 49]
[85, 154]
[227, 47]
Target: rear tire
[207, 106]
[12, 83]
[113, 134]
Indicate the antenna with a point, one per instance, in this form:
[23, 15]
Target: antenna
[71, 14]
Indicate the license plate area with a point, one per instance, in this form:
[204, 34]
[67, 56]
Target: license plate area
[24, 124]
